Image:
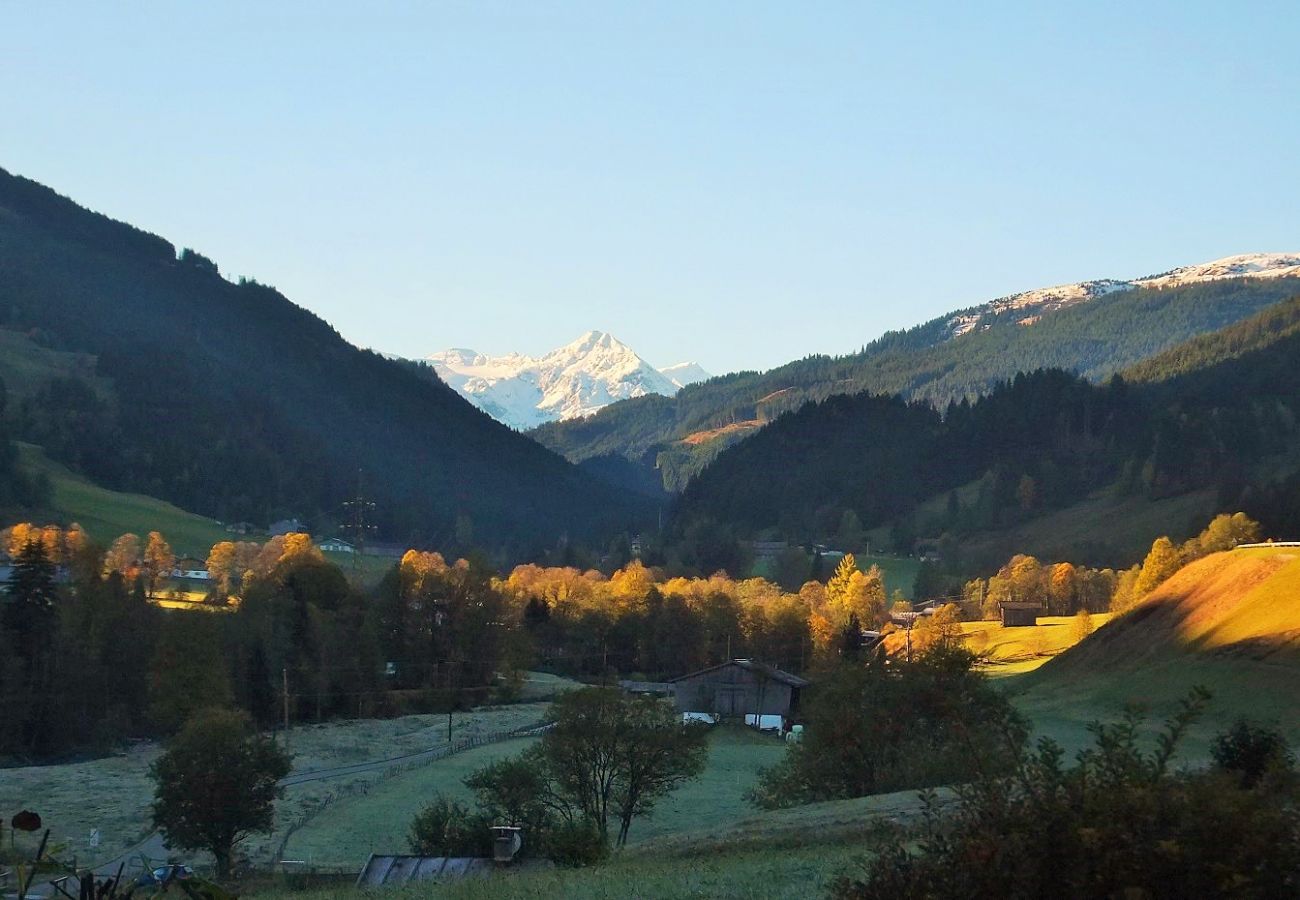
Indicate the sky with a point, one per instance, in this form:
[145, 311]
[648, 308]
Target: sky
[739, 184]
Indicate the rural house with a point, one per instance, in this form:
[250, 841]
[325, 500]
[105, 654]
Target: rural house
[336, 545]
[1020, 612]
[191, 567]
[740, 688]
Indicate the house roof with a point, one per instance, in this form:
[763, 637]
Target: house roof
[763, 669]
[1020, 604]
[337, 540]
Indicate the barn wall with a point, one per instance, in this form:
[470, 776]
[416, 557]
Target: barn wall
[733, 691]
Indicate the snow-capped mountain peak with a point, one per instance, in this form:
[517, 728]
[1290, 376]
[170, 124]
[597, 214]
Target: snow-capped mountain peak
[1027, 307]
[575, 380]
[684, 373]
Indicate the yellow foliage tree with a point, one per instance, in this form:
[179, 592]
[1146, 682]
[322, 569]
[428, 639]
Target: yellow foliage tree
[1161, 562]
[159, 560]
[123, 557]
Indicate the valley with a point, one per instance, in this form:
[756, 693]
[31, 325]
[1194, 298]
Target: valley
[1009, 523]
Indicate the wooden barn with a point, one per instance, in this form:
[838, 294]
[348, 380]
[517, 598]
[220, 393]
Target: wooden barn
[741, 688]
[1016, 613]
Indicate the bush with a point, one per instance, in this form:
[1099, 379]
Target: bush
[576, 844]
[1250, 752]
[447, 828]
[1120, 823]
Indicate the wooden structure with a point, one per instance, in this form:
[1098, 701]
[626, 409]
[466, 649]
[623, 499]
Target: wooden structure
[1016, 613]
[741, 687]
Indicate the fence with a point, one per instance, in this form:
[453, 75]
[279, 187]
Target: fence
[407, 764]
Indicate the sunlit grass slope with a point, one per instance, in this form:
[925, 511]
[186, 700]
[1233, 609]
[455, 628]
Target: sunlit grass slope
[107, 514]
[1229, 622]
[1015, 651]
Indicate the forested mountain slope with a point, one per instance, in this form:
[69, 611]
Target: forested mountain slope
[231, 401]
[1094, 338]
[1222, 418]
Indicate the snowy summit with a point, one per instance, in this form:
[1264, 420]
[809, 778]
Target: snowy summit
[1028, 306]
[575, 380]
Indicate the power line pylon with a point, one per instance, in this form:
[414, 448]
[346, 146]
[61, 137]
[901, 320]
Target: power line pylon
[358, 509]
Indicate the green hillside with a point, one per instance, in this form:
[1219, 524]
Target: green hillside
[106, 514]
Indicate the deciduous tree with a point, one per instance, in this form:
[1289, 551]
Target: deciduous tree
[216, 784]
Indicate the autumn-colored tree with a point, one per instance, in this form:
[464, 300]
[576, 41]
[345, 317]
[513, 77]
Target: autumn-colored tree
[16, 537]
[1062, 588]
[123, 557]
[159, 560]
[1223, 533]
[1161, 562]
[221, 566]
[1082, 624]
[1126, 593]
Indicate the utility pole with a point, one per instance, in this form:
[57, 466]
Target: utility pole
[284, 687]
[357, 510]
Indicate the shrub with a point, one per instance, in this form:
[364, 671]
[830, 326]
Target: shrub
[447, 828]
[576, 844]
[1119, 823]
[1250, 752]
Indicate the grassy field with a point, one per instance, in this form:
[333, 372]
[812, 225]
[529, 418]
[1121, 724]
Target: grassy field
[113, 793]
[26, 366]
[1015, 651]
[793, 853]
[107, 514]
[378, 820]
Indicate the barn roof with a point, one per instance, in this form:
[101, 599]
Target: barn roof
[764, 669]
[1020, 604]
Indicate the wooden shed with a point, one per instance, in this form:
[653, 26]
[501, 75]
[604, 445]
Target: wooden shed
[739, 688]
[1017, 613]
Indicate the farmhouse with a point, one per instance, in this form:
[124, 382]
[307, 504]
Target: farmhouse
[740, 688]
[191, 567]
[1020, 612]
[336, 545]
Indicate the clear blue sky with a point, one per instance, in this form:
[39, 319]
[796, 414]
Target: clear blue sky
[736, 183]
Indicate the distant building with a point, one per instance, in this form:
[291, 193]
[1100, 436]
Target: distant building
[241, 528]
[927, 550]
[739, 688]
[648, 688]
[1017, 613]
[285, 526]
[336, 545]
[191, 567]
[768, 549]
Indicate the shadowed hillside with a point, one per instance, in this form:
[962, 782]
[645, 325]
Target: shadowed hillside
[229, 400]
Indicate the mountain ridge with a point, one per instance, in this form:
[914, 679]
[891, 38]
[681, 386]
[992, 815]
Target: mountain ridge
[1113, 329]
